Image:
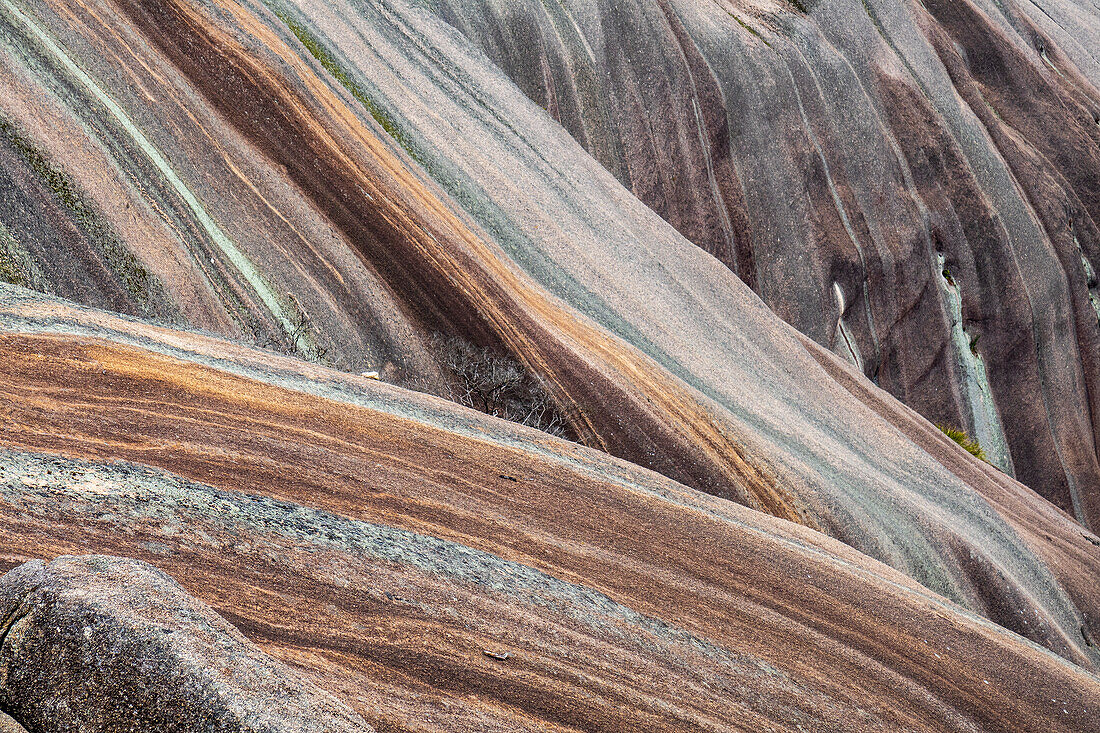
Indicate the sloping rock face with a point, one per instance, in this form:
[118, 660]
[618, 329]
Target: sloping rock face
[517, 596]
[913, 185]
[747, 533]
[442, 570]
[99, 643]
[509, 233]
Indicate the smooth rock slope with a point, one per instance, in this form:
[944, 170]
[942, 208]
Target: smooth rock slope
[915, 186]
[912, 185]
[234, 207]
[438, 569]
[654, 351]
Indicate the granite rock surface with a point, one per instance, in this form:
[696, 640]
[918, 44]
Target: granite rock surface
[436, 568]
[98, 643]
[749, 250]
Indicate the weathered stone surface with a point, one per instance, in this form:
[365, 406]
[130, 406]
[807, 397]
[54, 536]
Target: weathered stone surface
[348, 180]
[912, 185]
[101, 644]
[382, 541]
[8, 725]
[714, 618]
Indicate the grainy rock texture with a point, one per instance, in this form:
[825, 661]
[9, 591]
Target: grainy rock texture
[750, 530]
[393, 547]
[717, 618]
[912, 185]
[98, 644]
[8, 725]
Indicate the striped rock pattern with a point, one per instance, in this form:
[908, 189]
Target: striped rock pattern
[357, 181]
[438, 569]
[912, 185]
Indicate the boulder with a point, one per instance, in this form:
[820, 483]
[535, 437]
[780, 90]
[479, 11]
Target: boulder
[104, 644]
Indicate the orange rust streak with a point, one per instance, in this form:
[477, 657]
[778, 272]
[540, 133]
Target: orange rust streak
[497, 289]
[843, 629]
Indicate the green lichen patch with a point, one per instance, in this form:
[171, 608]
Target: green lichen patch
[749, 28]
[142, 287]
[319, 52]
[17, 267]
[968, 444]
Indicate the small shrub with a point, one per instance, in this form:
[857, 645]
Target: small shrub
[298, 338]
[969, 445]
[497, 385]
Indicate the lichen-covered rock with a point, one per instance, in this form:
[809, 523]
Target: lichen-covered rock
[912, 185]
[99, 643]
[8, 725]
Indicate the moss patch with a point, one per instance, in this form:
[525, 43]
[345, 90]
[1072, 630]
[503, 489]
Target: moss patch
[749, 28]
[319, 52]
[133, 276]
[17, 267]
[969, 445]
[10, 269]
